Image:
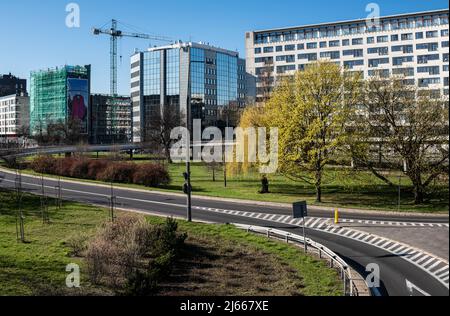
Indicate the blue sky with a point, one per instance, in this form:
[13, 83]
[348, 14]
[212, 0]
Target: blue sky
[34, 35]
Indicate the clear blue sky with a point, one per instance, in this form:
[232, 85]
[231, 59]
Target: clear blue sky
[33, 34]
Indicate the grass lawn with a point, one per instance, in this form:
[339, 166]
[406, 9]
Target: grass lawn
[342, 188]
[217, 259]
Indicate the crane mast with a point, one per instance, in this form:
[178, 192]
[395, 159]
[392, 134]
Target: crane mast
[115, 35]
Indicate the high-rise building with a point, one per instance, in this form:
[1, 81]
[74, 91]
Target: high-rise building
[110, 119]
[210, 79]
[14, 117]
[60, 95]
[10, 85]
[415, 46]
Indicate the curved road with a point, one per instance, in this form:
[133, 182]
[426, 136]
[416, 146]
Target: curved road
[395, 271]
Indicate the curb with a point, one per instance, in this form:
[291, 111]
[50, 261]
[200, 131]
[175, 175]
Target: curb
[343, 210]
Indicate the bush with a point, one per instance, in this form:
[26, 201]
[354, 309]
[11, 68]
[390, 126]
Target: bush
[64, 166]
[118, 172]
[79, 168]
[151, 175]
[95, 167]
[77, 244]
[44, 164]
[131, 256]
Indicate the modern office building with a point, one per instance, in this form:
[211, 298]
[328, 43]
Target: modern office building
[415, 46]
[11, 85]
[59, 95]
[206, 79]
[110, 119]
[14, 117]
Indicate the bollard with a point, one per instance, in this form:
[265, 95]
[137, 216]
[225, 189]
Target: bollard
[336, 216]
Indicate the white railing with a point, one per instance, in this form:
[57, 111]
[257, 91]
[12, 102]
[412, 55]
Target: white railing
[350, 288]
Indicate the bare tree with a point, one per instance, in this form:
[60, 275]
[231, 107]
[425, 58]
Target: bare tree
[158, 128]
[409, 126]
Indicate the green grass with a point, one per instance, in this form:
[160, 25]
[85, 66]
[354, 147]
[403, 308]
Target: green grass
[38, 266]
[317, 279]
[342, 188]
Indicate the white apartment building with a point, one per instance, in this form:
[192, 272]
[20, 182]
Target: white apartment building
[413, 45]
[14, 116]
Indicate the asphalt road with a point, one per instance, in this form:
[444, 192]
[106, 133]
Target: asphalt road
[396, 272]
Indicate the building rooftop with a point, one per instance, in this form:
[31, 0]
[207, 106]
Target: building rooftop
[206, 46]
[405, 15]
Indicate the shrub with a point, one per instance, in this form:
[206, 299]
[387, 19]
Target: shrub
[131, 256]
[151, 175]
[118, 172]
[64, 166]
[77, 244]
[79, 168]
[96, 167]
[44, 164]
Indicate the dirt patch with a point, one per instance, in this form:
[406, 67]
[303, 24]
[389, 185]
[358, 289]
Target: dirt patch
[220, 268]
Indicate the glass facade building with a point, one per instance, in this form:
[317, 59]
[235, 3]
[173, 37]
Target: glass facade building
[185, 76]
[397, 44]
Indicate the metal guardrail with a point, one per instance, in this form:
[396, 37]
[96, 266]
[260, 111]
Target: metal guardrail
[350, 288]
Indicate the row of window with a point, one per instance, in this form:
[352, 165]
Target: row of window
[355, 41]
[387, 24]
[373, 63]
[421, 59]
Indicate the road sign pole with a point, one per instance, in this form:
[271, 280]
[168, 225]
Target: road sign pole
[304, 235]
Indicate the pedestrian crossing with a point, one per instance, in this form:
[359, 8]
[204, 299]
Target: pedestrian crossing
[436, 267]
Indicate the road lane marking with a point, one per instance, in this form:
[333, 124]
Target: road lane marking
[411, 287]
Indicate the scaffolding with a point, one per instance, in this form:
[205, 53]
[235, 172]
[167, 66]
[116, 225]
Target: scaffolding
[48, 98]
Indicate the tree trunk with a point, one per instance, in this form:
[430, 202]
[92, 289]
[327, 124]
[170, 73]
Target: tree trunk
[168, 157]
[419, 194]
[318, 186]
[214, 174]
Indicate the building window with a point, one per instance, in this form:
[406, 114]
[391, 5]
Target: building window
[431, 47]
[330, 55]
[394, 38]
[268, 49]
[289, 48]
[323, 44]
[423, 59]
[433, 70]
[311, 45]
[349, 64]
[257, 50]
[357, 41]
[382, 51]
[406, 49]
[432, 34]
[334, 43]
[378, 61]
[279, 48]
[398, 61]
[301, 46]
[382, 39]
[345, 42]
[370, 40]
[309, 57]
[407, 37]
[419, 35]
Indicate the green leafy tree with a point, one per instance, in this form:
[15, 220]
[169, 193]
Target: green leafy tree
[312, 111]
